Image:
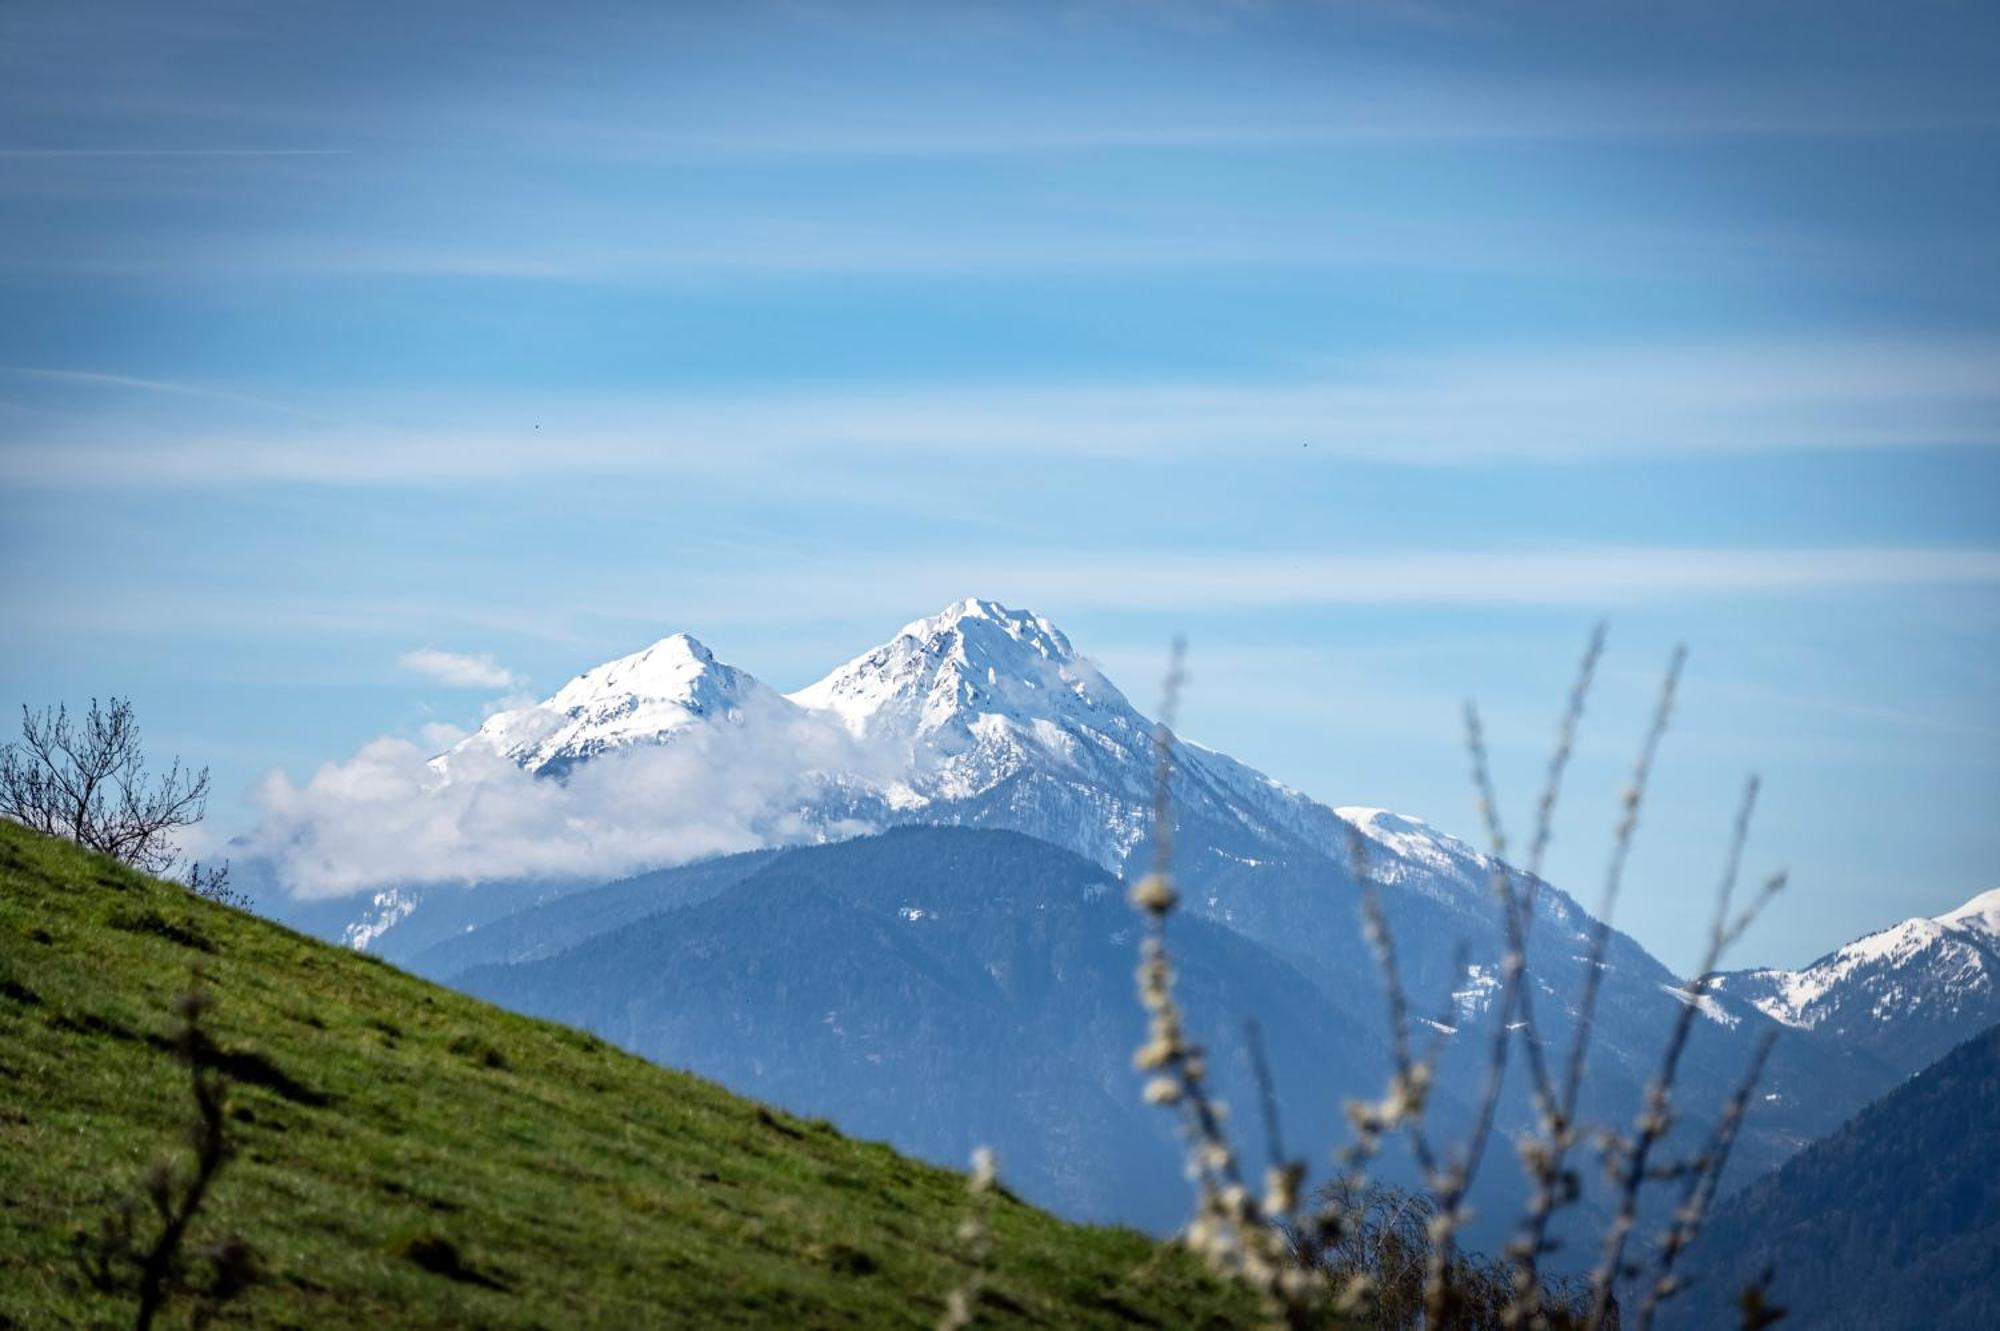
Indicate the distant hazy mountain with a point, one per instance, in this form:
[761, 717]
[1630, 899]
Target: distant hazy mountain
[1890, 1224]
[942, 988]
[554, 925]
[1905, 994]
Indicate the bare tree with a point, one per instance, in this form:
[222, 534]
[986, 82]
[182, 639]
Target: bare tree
[85, 778]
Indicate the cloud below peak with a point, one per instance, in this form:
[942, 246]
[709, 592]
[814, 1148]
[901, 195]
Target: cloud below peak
[457, 670]
[389, 815]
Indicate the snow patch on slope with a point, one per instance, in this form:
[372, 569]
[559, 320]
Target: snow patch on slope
[386, 911]
[1704, 1003]
[1981, 913]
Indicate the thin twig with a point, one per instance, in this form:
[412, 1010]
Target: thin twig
[1517, 918]
[1232, 1230]
[1267, 1098]
[1545, 807]
[1521, 935]
[1621, 849]
[1656, 1118]
[1554, 1184]
[1411, 1087]
[975, 1231]
[1702, 1185]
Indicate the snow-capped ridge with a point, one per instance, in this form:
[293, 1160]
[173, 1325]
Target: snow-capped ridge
[1943, 962]
[970, 615]
[1414, 840]
[978, 712]
[973, 659]
[1898, 942]
[1385, 823]
[1982, 912]
[678, 672]
[672, 668]
[645, 697]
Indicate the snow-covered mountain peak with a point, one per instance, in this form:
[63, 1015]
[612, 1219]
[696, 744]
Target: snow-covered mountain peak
[1981, 913]
[645, 697]
[973, 659]
[675, 668]
[1899, 943]
[985, 627]
[1942, 965]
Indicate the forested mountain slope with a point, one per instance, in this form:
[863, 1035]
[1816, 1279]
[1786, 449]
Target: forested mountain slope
[1890, 1224]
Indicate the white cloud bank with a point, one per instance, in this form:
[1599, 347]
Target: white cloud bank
[388, 815]
[457, 670]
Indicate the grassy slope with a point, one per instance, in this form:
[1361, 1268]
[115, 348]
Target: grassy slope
[598, 1189]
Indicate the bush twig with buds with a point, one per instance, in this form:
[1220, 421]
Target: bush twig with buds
[976, 1233]
[1392, 1255]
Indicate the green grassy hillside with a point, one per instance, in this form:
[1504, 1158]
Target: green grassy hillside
[373, 1112]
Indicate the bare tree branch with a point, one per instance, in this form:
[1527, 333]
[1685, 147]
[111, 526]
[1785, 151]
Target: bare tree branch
[1702, 1184]
[1517, 918]
[1656, 1115]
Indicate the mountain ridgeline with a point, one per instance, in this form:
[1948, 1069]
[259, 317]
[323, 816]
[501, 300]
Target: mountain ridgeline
[944, 988]
[1904, 995]
[933, 988]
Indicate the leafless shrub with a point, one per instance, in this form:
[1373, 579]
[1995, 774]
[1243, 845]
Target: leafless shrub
[118, 1256]
[84, 778]
[1385, 1252]
[210, 882]
[1391, 1255]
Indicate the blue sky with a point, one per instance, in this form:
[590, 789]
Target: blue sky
[1378, 348]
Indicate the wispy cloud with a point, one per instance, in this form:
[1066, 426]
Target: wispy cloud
[1591, 576]
[457, 670]
[607, 239]
[53, 154]
[626, 607]
[437, 736]
[1564, 405]
[1365, 128]
[90, 379]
